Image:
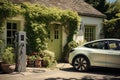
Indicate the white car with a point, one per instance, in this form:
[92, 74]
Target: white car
[102, 52]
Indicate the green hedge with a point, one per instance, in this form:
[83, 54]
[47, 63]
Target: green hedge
[112, 28]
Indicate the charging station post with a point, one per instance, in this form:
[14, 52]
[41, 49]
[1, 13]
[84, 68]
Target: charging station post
[20, 51]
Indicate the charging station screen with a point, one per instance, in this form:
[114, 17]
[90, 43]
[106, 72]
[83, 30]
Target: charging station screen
[22, 37]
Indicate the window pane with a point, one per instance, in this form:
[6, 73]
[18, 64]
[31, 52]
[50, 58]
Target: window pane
[8, 40]
[13, 33]
[96, 45]
[56, 32]
[8, 25]
[114, 45]
[14, 26]
[8, 33]
[89, 33]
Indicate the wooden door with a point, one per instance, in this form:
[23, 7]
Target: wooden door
[55, 40]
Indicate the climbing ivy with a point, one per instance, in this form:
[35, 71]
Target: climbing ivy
[8, 9]
[38, 19]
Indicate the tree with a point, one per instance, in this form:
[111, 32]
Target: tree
[111, 26]
[118, 15]
[100, 5]
[111, 10]
[94, 3]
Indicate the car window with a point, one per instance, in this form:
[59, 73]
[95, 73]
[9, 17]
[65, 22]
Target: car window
[114, 45]
[96, 45]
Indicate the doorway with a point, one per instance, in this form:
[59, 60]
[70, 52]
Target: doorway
[55, 40]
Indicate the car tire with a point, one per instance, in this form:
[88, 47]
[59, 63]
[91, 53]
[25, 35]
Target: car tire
[81, 63]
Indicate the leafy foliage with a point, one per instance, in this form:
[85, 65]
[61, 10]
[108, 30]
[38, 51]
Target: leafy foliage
[8, 9]
[98, 4]
[112, 27]
[118, 15]
[49, 59]
[107, 8]
[102, 6]
[38, 20]
[8, 56]
[114, 8]
[68, 47]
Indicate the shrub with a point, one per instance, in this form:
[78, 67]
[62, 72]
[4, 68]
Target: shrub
[112, 27]
[69, 46]
[48, 58]
[8, 56]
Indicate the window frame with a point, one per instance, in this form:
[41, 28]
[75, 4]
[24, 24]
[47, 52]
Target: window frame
[12, 30]
[90, 32]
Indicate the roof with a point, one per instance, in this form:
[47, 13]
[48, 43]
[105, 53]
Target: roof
[80, 6]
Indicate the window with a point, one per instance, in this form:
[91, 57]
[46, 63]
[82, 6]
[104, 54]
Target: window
[90, 32]
[11, 29]
[56, 32]
[114, 45]
[96, 45]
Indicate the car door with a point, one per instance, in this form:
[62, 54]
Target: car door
[113, 55]
[98, 54]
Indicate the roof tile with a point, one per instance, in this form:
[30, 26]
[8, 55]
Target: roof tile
[76, 5]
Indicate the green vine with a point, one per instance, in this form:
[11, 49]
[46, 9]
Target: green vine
[8, 9]
[38, 19]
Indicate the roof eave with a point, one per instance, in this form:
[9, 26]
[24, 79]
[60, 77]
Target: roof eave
[92, 15]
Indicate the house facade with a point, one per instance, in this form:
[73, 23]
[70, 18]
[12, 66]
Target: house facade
[90, 28]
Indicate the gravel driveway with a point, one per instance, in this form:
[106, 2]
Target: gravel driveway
[63, 71]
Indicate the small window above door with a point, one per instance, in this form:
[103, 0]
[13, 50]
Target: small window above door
[56, 32]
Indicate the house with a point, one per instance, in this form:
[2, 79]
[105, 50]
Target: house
[90, 28]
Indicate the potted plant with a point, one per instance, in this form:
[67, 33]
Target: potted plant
[31, 61]
[34, 60]
[48, 59]
[7, 60]
[38, 61]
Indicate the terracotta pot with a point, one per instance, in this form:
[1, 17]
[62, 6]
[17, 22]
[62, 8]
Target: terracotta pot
[7, 68]
[38, 63]
[30, 63]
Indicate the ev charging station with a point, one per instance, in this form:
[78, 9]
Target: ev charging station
[20, 51]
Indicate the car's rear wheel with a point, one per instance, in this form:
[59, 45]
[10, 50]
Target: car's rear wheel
[81, 63]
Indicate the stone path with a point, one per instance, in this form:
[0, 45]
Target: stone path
[62, 72]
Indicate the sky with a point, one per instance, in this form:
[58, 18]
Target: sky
[111, 0]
